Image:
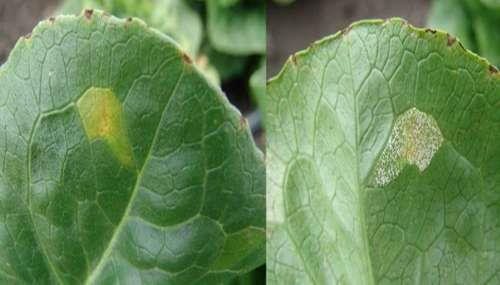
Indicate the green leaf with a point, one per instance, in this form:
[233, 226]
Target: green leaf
[238, 29]
[284, 2]
[173, 17]
[210, 72]
[228, 66]
[256, 276]
[120, 163]
[452, 16]
[488, 37]
[258, 82]
[227, 3]
[494, 5]
[382, 161]
[76, 6]
[177, 19]
[474, 22]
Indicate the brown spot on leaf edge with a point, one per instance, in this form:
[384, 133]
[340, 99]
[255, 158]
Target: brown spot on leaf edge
[346, 30]
[52, 20]
[461, 45]
[451, 39]
[186, 58]
[493, 69]
[88, 13]
[243, 123]
[432, 31]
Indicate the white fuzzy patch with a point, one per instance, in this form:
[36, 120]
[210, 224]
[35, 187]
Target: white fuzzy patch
[414, 140]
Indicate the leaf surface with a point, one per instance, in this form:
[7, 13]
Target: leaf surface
[382, 161]
[238, 29]
[474, 22]
[172, 17]
[258, 82]
[120, 163]
[452, 16]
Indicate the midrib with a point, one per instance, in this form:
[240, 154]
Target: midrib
[105, 256]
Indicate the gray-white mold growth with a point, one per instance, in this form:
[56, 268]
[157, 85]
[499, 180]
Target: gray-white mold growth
[414, 139]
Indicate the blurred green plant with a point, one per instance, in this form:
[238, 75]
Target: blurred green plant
[258, 82]
[257, 276]
[475, 22]
[226, 38]
[284, 2]
[238, 29]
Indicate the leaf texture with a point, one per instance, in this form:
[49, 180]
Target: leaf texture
[382, 161]
[172, 17]
[120, 164]
[238, 29]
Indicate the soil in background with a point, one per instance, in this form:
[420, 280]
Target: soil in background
[17, 18]
[293, 27]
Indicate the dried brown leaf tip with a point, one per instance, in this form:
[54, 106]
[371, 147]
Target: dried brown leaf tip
[128, 21]
[451, 39]
[186, 58]
[243, 123]
[493, 69]
[88, 13]
[346, 30]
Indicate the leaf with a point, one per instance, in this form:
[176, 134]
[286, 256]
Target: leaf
[238, 29]
[228, 66]
[284, 2]
[382, 161]
[452, 16]
[258, 82]
[474, 22]
[257, 276]
[173, 17]
[120, 163]
[203, 64]
[227, 3]
[488, 37]
[494, 5]
[176, 18]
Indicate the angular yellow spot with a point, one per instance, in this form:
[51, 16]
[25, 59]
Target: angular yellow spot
[101, 113]
[414, 140]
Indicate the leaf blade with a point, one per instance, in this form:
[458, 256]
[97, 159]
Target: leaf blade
[92, 213]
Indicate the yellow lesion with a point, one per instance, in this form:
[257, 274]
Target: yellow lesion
[414, 140]
[101, 114]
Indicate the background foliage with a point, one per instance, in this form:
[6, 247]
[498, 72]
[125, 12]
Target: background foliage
[475, 22]
[226, 38]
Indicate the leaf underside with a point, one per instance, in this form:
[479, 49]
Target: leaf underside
[120, 164]
[382, 161]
